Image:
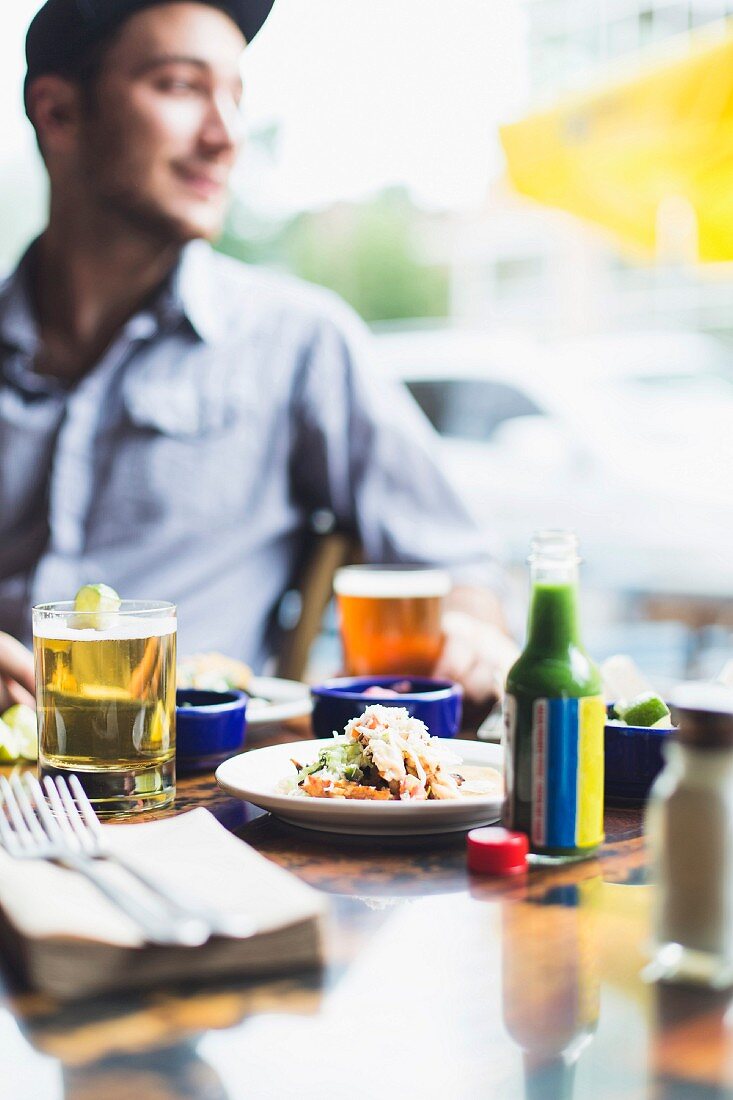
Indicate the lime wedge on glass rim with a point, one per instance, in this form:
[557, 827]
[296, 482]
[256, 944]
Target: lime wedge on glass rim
[96, 606]
[21, 721]
[9, 743]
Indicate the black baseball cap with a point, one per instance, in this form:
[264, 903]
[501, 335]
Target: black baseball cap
[64, 30]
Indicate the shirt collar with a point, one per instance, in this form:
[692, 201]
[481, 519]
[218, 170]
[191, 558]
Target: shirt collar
[192, 291]
[18, 328]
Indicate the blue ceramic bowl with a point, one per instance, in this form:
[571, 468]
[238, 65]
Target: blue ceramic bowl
[633, 759]
[437, 703]
[210, 727]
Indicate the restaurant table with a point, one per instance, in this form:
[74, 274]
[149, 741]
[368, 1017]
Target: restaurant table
[438, 983]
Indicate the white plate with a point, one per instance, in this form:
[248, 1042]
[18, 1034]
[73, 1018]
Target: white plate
[276, 700]
[254, 776]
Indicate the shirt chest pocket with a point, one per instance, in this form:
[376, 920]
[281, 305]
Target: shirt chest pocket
[179, 458]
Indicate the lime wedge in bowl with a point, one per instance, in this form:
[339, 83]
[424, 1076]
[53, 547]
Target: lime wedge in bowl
[98, 605]
[21, 721]
[645, 710]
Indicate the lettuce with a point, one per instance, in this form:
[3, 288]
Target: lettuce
[344, 760]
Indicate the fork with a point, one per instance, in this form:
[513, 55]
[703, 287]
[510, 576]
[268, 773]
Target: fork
[29, 830]
[91, 837]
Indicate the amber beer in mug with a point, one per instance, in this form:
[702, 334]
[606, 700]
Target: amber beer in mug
[391, 618]
[106, 698]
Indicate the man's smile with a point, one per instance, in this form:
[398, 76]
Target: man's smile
[205, 184]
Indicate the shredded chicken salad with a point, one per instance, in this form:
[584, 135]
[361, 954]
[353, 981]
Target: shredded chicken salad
[384, 754]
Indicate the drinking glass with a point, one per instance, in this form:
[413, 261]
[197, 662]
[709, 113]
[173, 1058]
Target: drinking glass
[391, 618]
[106, 698]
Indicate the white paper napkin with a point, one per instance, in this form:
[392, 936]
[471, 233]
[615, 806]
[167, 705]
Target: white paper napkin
[191, 852]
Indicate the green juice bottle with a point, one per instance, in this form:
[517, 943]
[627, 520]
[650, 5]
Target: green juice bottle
[554, 716]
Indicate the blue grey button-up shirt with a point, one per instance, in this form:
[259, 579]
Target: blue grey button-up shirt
[186, 464]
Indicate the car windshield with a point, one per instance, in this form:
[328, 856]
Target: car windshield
[470, 408]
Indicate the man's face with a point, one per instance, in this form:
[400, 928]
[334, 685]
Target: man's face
[158, 143]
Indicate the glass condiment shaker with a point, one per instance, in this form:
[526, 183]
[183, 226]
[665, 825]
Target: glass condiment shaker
[689, 829]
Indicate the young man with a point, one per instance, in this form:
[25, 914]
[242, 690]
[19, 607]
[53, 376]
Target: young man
[170, 419]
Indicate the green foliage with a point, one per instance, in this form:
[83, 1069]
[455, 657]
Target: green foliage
[369, 254]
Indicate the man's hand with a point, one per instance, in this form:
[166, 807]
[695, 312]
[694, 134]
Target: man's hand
[478, 651]
[17, 678]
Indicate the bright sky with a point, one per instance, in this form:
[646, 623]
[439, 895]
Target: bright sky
[367, 93]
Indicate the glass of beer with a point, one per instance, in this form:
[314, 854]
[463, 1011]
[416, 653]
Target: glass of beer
[106, 698]
[391, 618]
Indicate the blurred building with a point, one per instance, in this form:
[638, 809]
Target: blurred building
[520, 265]
[569, 40]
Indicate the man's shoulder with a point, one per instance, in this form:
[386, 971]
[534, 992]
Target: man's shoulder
[248, 290]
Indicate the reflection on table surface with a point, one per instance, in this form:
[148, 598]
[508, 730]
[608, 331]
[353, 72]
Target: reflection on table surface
[438, 984]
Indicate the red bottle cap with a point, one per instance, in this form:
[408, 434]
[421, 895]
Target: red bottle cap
[497, 851]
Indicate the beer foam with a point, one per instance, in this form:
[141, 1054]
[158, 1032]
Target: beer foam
[125, 627]
[391, 584]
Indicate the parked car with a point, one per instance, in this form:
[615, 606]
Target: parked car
[626, 439]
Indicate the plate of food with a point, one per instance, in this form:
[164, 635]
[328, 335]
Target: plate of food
[271, 699]
[385, 775]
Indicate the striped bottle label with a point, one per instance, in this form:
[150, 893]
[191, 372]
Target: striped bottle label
[566, 780]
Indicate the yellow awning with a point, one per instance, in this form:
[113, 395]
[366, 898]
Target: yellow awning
[650, 157]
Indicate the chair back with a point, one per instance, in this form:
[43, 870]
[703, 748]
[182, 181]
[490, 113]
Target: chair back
[324, 555]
